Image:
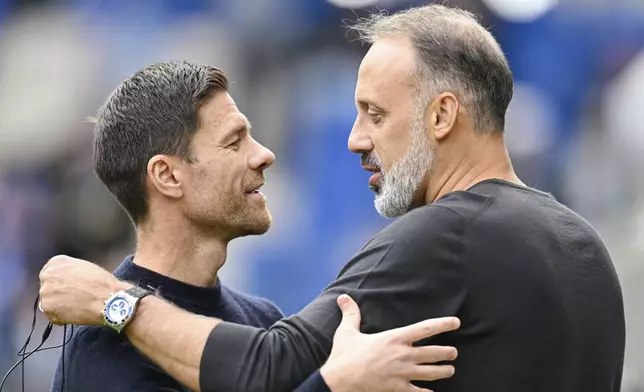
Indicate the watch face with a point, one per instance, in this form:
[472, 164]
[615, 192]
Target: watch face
[118, 310]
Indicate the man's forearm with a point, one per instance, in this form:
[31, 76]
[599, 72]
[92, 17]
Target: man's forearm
[172, 338]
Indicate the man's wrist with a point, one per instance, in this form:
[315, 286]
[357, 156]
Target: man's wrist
[114, 286]
[117, 285]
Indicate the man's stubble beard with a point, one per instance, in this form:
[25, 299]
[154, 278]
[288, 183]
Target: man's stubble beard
[232, 217]
[401, 183]
[257, 222]
[249, 219]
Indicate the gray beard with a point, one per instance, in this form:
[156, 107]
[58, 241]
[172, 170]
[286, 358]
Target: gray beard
[400, 184]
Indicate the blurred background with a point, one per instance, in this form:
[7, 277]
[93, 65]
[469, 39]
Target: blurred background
[574, 129]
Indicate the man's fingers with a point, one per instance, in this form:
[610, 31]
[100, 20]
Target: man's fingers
[433, 354]
[350, 313]
[57, 260]
[427, 328]
[42, 271]
[431, 372]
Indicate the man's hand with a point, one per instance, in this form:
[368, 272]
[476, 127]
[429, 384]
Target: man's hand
[386, 361]
[73, 291]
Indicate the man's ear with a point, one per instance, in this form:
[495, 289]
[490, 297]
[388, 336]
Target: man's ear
[442, 115]
[163, 174]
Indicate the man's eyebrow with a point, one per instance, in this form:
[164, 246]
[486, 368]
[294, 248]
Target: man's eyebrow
[239, 127]
[367, 103]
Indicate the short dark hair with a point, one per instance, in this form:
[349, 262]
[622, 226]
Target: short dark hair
[153, 112]
[455, 54]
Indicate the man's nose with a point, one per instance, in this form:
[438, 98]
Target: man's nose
[359, 141]
[262, 159]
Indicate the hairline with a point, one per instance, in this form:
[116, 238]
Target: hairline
[376, 27]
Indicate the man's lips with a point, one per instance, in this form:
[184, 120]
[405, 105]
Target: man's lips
[255, 194]
[254, 188]
[374, 180]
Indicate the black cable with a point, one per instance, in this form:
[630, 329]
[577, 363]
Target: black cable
[22, 371]
[24, 347]
[45, 335]
[39, 349]
[24, 354]
[59, 346]
[62, 357]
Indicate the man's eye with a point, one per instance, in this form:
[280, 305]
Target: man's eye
[235, 143]
[375, 117]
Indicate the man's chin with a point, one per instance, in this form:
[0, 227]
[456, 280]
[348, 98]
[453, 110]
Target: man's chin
[388, 208]
[259, 230]
[258, 225]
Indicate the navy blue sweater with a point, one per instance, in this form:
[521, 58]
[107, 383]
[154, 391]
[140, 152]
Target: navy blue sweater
[97, 359]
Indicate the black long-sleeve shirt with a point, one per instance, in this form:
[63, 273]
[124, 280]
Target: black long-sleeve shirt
[536, 291]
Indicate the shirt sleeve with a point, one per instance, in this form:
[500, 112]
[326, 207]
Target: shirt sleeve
[409, 272]
[315, 383]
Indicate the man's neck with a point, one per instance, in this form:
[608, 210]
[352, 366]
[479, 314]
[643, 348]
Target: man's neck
[180, 254]
[488, 161]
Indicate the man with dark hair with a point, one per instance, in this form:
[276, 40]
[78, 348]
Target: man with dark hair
[531, 281]
[173, 148]
[155, 112]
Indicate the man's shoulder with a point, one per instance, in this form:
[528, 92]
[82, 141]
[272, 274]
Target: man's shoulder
[431, 235]
[435, 231]
[254, 305]
[98, 358]
[451, 214]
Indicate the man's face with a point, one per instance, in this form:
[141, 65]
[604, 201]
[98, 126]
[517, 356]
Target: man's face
[389, 130]
[228, 169]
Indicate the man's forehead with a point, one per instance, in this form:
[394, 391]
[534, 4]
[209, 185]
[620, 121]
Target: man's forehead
[222, 109]
[388, 64]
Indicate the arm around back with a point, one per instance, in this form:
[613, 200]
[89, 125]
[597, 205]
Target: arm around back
[409, 272]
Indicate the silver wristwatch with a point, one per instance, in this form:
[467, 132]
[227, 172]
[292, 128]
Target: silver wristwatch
[121, 306]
